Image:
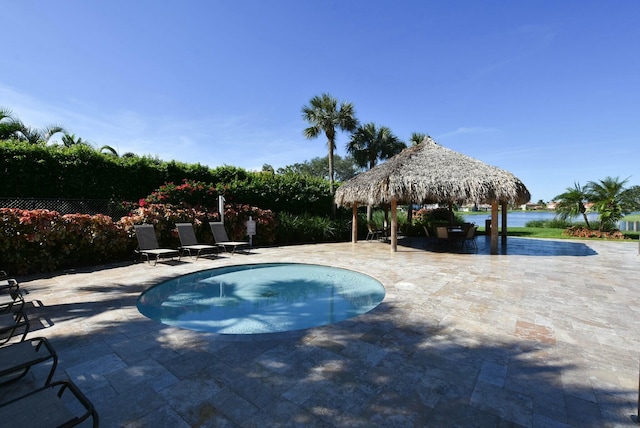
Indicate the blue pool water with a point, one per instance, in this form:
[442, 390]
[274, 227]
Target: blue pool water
[261, 298]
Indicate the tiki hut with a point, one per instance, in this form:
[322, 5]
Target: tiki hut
[430, 173]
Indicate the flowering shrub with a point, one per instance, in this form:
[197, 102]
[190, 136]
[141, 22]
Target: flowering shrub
[196, 202]
[236, 216]
[164, 218]
[435, 217]
[583, 232]
[43, 240]
[189, 194]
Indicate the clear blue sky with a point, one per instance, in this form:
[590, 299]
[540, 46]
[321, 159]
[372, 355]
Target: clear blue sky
[549, 90]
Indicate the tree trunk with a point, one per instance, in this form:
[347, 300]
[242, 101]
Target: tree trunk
[333, 204]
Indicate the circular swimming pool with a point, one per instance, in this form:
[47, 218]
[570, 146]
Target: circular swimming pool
[261, 298]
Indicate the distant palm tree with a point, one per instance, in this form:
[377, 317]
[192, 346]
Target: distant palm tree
[108, 150]
[417, 138]
[49, 131]
[369, 144]
[5, 113]
[571, 203]
[39, 136]
[323, 115]
[72, 140]
[611, 200]
[9, 126]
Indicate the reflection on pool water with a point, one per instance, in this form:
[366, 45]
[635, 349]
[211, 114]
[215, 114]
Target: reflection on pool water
[261, 298]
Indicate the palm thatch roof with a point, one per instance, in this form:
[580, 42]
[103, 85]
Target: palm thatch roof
[429, 173]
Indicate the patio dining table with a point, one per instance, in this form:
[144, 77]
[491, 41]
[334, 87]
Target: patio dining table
[455, 234]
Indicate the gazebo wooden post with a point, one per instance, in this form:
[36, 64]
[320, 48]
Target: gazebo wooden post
[503, 230]
[494, 227]
[394, 226]
[354, 226]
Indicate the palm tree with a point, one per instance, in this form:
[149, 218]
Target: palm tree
[72, 140]
[611, 200]
[417, 138]
[571, 203]
[369, 144]
[9, 126]
[106, 149]
[323, 115]
[39, 136]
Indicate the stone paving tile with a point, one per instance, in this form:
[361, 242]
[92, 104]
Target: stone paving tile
[582, 412]
[125, 409]
[509, 405]
[192, 398]
[284, 413]
[91, 374]
[542, 336]
[145, 371]
[390, 409]
[165, 416]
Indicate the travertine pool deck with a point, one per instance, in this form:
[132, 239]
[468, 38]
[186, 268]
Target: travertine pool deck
[544, 335]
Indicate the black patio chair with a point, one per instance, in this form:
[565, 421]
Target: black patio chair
[60, 404]
[17, 358]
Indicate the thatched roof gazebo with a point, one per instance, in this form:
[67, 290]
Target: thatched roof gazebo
[430, 173]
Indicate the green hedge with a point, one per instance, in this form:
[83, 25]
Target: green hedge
[80, 172]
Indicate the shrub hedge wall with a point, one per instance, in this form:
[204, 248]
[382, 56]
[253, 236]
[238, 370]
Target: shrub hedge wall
[34, 241]
[81, 172]
[44, 241]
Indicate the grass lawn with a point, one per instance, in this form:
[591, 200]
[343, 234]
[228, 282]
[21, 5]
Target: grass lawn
[540, 232]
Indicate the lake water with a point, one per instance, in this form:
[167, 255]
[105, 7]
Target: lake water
[519, 218]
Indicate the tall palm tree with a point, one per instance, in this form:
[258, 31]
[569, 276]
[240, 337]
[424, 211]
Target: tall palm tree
[571, 203]
[611, 200]
[369, 144]
[324, 116]
[417, 138]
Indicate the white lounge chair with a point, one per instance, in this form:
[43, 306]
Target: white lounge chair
[222, 239]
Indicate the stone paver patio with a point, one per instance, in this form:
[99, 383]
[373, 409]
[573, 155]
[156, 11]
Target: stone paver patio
[545, 335]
